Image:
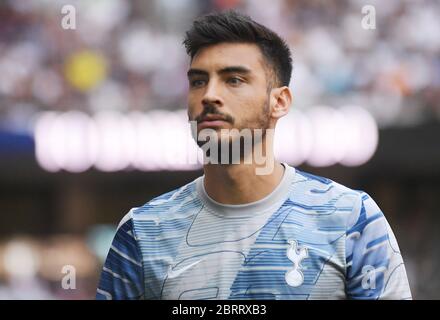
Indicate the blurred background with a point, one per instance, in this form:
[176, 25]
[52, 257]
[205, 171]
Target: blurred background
[92, 122]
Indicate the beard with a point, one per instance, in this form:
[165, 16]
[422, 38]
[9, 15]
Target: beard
[230, 146]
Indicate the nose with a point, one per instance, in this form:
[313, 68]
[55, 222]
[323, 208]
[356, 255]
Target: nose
[212, 95]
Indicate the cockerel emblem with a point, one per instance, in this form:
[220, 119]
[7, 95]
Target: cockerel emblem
[296, 254]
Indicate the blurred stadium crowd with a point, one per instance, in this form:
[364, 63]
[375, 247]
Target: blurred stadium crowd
[128, 56]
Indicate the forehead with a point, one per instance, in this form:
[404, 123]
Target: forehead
[222, 55]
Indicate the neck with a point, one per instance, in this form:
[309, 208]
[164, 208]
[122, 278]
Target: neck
[241, 183]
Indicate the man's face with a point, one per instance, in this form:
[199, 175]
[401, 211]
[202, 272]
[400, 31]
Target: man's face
[228, 88]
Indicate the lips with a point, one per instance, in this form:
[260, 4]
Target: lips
[211, 124]
[212, 121]
[213, 117]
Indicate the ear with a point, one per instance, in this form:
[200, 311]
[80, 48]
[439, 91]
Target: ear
[281, 100]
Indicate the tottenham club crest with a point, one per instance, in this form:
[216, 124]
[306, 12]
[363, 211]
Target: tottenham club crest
[296, 254]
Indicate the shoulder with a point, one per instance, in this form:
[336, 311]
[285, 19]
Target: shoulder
[325, 188]
[166, 203]
[351, 203]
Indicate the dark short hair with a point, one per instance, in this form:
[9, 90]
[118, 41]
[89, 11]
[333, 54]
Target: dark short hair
[233, 27]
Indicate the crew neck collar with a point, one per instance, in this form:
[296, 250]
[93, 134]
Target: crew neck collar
[279, 194]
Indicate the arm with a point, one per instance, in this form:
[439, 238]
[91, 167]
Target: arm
[122, 274]
[375, 268]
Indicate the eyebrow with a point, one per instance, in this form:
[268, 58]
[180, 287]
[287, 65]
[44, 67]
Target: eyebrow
[231, 69]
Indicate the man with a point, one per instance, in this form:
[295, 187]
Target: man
[241, 233]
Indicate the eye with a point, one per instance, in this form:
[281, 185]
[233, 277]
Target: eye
[235, 81]
[197, 83]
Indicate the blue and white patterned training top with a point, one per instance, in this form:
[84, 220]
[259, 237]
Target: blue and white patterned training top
[311, 238]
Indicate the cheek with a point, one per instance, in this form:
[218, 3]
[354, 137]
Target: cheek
[253, 113]
[193, 106]
[252, 108]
